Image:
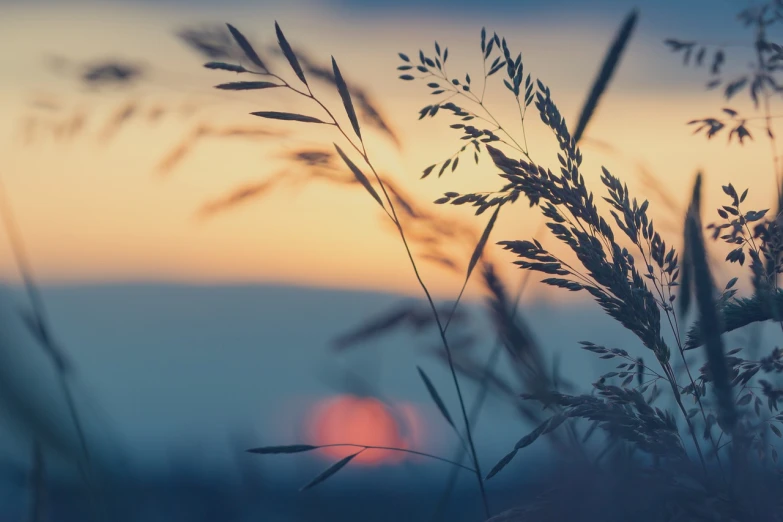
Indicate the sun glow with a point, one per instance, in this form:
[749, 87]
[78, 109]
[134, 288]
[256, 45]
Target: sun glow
[348, 419]
[118, 218]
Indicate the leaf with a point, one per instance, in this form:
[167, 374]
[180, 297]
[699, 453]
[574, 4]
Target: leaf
[427, 171]
[687, 268]
[501, 464]
[246, 86]
[246, 47]
[346, 96]
[359, 175]
[289, 54]
[225, 67]
[607, 70]
[717, 61]
[275, 450]
[482, 242]
[288, 116]
[735, 86]
[775, 430]
[331, 470]
[436, 398]
[444, 166]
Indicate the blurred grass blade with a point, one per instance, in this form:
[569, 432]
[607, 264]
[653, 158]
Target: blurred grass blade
[289, 54]
[684, 297]
[222, 66]
[704, 291]
[288, 116]
[436, 398]
[545, 427]
[482, 243]
[276, 450]
[334, 468]
[246, 47]
[737, 313]
[359, 175]
[246, 86]
[346, 96]
[376, 326]
[501, 464]
[607, 70]
[474, 259]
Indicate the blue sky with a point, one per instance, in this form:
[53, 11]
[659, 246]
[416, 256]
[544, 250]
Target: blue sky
[718, 14]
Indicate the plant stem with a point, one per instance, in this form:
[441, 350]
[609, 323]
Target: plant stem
[400, 450]
[474, 414]
[45, 338]
[441, 330]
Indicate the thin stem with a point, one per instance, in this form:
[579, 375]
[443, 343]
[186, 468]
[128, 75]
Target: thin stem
[400, 450]
[442, 333]
[479, 403]
[691, 429]
[39, 309]
[678, 340]
[459, 297]
[395, 219]
[483, 393]
[474, 414]
[491, 118]
[744, 386]
[42, 324]
[522, 113]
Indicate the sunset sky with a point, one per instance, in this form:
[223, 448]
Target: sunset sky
[93, 209]
[119, 201]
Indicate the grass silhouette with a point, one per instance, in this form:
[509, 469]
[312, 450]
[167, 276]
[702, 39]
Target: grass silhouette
[709, 456]
[657, 470]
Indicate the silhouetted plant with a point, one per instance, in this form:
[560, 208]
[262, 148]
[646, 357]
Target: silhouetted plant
[621, 261]
[639, 294]
[383, 198]
[516, 339]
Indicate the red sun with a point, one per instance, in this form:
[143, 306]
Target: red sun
[347, 419]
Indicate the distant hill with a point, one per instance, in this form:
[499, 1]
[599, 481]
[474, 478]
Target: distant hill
[172, 369]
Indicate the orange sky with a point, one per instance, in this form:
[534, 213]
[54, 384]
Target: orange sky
[100, 211]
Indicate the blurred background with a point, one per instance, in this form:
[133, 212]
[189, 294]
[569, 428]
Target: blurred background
[217, 282]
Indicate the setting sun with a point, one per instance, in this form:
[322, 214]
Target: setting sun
[347, 419]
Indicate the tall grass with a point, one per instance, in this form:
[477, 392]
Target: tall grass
[629, 270]
[526, 356]
[693, 461]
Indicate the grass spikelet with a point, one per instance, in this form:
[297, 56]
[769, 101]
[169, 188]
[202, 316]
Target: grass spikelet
[289, 54]
[346, 97]
[360, 177]
[250, 53]
[331, 470]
